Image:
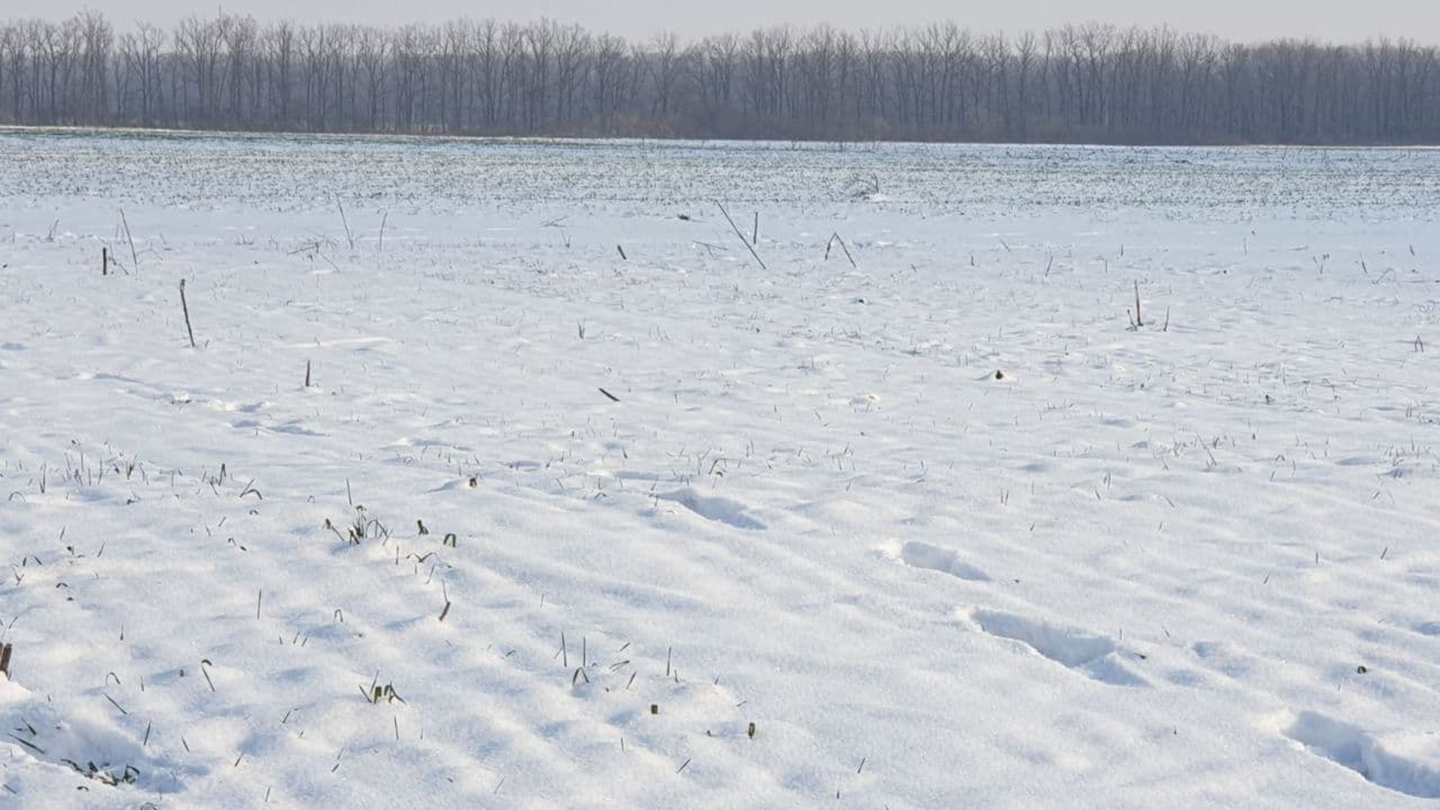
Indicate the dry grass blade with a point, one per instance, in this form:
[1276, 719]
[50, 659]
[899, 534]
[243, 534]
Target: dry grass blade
[741, 235]
[185, 307]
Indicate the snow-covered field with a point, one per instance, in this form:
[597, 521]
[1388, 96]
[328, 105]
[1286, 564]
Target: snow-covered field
[805, 549]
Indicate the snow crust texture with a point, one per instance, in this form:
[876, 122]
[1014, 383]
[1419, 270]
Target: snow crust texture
[581, 507]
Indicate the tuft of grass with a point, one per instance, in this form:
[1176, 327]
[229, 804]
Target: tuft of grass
[377, 693]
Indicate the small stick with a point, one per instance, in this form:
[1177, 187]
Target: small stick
[34, 747]
[1138, 320]
[755, 234]
[307, 373]
[383, 220]
[104, 261]
[736, 228]
[134, 260]
[186, 307]
[117, 705]
[611, 396]
[835, 237]
[350, 237]
[622, 253]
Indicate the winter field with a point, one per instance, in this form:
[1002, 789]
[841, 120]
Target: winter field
[1191, 563]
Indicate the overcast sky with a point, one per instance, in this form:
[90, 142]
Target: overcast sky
[1234, 19]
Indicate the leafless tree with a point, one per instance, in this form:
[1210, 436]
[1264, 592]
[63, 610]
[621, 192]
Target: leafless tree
[1086, 82]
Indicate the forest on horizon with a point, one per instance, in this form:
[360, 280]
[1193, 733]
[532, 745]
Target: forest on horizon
[1091, 83]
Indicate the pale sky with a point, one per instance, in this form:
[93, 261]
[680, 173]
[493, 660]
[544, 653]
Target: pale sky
[1243, 20]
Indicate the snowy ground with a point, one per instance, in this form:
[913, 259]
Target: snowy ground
[1192, 564]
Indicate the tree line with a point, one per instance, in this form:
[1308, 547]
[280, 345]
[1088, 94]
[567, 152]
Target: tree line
[1079, 83]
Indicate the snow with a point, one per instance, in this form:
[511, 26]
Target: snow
[1190, 564]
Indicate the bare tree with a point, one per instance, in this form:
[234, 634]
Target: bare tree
[1087, 82]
